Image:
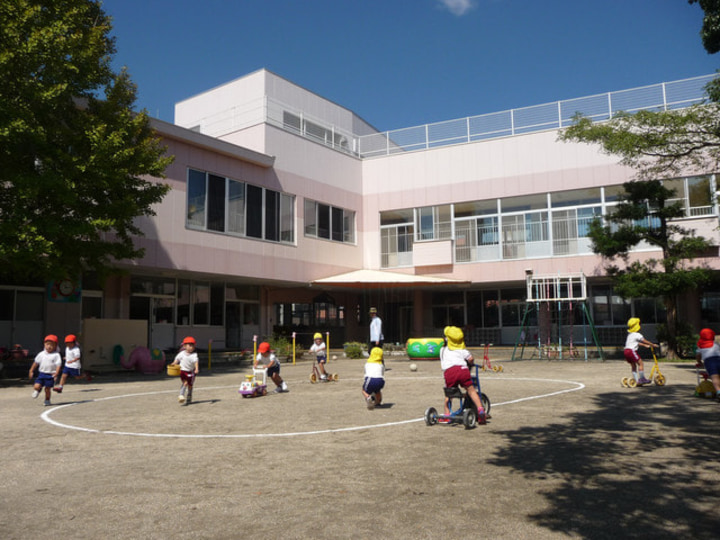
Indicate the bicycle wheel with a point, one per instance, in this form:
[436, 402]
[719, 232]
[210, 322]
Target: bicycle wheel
[469, 418]
[486, 403]
[431, 416]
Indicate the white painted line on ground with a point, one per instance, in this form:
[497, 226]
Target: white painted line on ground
[46, 415]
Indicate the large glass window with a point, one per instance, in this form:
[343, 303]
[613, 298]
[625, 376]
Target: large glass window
[197, 188]
[695, 194]
[448, 308]
[236, 207]
[609, 308]
[329, 222]
[183, 303]
[220, 204]
[527, 226]
[433, 222]
[512, 306]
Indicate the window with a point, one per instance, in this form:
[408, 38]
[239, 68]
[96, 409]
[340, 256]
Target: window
[313, 130]
[512, 306]
[433, 223]
[608, 308]
[197, 187]
[201, 303]
[448, 309]
[695, 194]
[576, 197]
[317, 314]
[236, 207]
[220, 204]
[396, 238]
[329, 222]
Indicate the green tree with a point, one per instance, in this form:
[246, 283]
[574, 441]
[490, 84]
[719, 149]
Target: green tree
[658, 145]
[647, 214]
[74, 158]
[710, 32]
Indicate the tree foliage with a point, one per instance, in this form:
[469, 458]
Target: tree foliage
[710, 32]
[646, 215]
[74, 157]
[658, 145]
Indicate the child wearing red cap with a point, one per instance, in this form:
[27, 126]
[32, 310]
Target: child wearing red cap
[266, 359]
[709, 352]
[189, 368]
[48, 363]
[72, 366]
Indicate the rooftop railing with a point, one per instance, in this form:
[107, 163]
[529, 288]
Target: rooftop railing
[549, 116]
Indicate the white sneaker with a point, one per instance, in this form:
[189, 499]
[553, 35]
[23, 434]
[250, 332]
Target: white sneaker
[284, 386]
[181, 398]
[370, 403]
[35, 393]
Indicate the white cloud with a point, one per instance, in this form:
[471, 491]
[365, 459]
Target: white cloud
[458, 7]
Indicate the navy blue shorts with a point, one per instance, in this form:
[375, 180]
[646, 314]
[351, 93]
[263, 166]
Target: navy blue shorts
[275, 368]
[321, 358]
[372, 385]
[712, 365]
[72, 372]
[45, 379]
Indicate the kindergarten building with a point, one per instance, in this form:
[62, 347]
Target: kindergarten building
[289, 213]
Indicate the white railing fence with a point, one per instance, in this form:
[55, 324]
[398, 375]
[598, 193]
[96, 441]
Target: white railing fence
[657, 97]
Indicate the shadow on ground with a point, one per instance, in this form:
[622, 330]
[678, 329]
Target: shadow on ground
[644, 463]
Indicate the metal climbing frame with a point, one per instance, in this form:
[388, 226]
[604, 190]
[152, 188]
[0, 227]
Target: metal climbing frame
[549, 296]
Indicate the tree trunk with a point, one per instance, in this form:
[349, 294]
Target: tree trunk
[671, 312]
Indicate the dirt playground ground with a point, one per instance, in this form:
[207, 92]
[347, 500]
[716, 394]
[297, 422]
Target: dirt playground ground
[568, 453]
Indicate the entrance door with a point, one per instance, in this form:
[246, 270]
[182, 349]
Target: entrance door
[21, 318]
[158, 312]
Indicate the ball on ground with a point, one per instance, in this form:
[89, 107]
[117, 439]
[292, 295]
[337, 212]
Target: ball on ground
[334, 357]
[413, 367]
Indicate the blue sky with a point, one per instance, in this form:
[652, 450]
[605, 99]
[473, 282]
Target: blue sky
[400, 63]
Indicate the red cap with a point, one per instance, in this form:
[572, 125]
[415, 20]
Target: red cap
[263, 347]
[51, 337]
[70, 338]
[189, 340]
[707, 338]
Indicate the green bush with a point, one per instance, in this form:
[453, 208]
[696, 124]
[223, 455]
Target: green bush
[354, 349]
[281, 345]
[686, 338]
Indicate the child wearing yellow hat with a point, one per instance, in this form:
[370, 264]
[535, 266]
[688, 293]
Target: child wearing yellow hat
[635, 340]
[319, 350]
[374, 380]
[455, 361]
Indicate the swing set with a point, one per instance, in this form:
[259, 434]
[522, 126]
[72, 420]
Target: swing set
[554, 303]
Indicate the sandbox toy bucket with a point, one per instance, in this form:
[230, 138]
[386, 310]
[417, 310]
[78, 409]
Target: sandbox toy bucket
[173, 370]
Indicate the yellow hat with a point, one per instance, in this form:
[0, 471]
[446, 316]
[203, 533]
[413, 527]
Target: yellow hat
[317, 335]
[376, 355]
[633, 325]
[455, 338]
